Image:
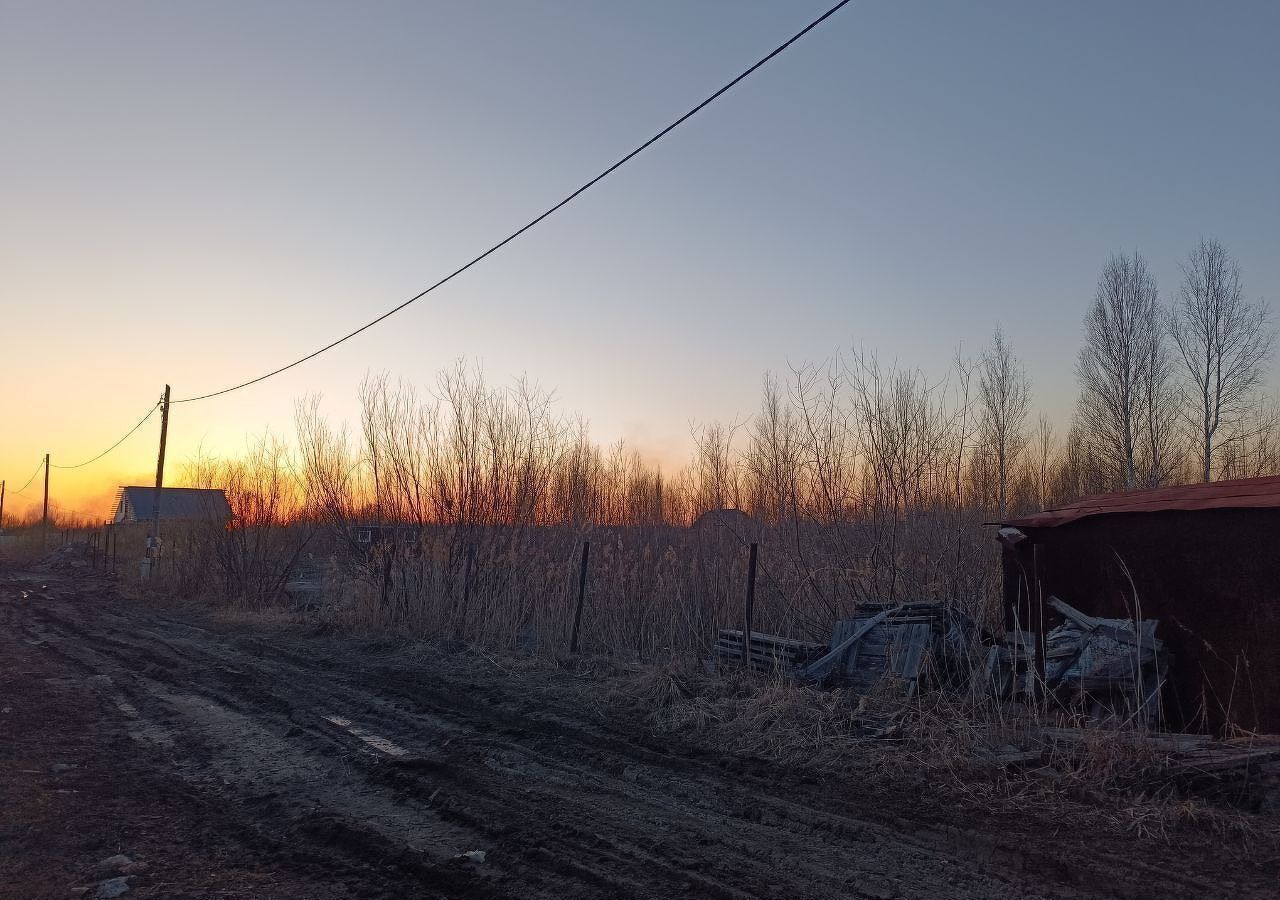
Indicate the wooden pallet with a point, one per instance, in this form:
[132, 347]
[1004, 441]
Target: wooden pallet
[769, 652]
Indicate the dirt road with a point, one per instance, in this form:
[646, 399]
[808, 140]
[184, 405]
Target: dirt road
[237, 762]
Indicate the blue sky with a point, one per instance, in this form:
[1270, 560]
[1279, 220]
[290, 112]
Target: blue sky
[198, 192]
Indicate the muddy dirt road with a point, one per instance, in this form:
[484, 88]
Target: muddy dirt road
[235, 762]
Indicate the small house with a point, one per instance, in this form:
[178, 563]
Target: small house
[137, 504]
[1203, 560]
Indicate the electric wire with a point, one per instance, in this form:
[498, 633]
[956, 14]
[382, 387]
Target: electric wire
[127, 435]
[540, 217]
[32, 478]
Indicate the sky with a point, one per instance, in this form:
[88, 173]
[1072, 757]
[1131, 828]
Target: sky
[194, 194]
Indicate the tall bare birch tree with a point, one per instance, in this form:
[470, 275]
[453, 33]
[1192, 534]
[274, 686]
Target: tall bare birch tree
[1224, 341]
[1160, 405]
[1005, 392]
[1121, 328]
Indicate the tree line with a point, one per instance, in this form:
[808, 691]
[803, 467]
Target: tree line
[860, 478]
[1169, 392]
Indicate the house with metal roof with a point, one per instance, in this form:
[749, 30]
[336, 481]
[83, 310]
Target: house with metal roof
[137, 504]
[1203, 560]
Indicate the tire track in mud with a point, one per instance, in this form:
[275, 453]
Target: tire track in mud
[588, 854]
[589, 858]
[564, 791]
[565, 806]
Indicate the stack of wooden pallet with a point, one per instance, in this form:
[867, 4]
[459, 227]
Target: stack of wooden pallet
[769, 652]
[889, 643]
[895, 647]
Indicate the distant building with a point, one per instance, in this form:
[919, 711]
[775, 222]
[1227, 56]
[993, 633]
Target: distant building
[137, 504]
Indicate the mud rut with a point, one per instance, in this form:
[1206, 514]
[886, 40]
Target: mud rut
[374, 764]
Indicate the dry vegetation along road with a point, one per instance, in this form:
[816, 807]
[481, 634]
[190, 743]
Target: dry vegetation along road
[248, 762]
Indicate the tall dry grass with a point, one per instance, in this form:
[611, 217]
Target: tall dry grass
[859, 480]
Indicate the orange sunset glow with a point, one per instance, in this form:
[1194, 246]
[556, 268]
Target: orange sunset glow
[572, 450]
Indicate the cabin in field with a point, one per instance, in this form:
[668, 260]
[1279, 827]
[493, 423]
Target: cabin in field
[1203, 560]
[193, 505]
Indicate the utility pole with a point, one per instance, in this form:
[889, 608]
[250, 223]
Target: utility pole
[1, 506]
[44, 519]
[153, 543]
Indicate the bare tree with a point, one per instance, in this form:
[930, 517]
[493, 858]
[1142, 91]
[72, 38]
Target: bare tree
[1160, 405]
[1005, 392]
[1122, 336]
[1224, 342]
[1042, 465]
[1252, 449]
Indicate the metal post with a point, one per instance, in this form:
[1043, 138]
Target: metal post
[153, 542]
[750, 605]
[582, 593]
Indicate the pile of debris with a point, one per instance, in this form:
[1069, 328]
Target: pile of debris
[72, 555]
[1106, 669]
[1103, 670]
[884, 647]
[890, 646]
[1100, 670]
[1106, 676]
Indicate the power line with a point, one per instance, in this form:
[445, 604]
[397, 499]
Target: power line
[543, 215]
[31, 479]
[127, 435]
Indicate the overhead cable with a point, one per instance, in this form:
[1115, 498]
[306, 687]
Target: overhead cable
[537, 219]
[127, 435]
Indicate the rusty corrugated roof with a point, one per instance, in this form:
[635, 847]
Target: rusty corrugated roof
[1242, 493]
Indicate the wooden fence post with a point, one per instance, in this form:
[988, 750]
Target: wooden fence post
[582, 593]
[751, 602]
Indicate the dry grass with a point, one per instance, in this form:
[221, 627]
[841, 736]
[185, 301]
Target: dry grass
[1114, 776]
[870, 484]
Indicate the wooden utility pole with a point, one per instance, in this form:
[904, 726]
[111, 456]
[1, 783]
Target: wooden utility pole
[153, 542]
[44, 518]
[1, 506]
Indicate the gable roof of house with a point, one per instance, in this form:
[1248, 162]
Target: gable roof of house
[136, 503]
[1241, 493]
